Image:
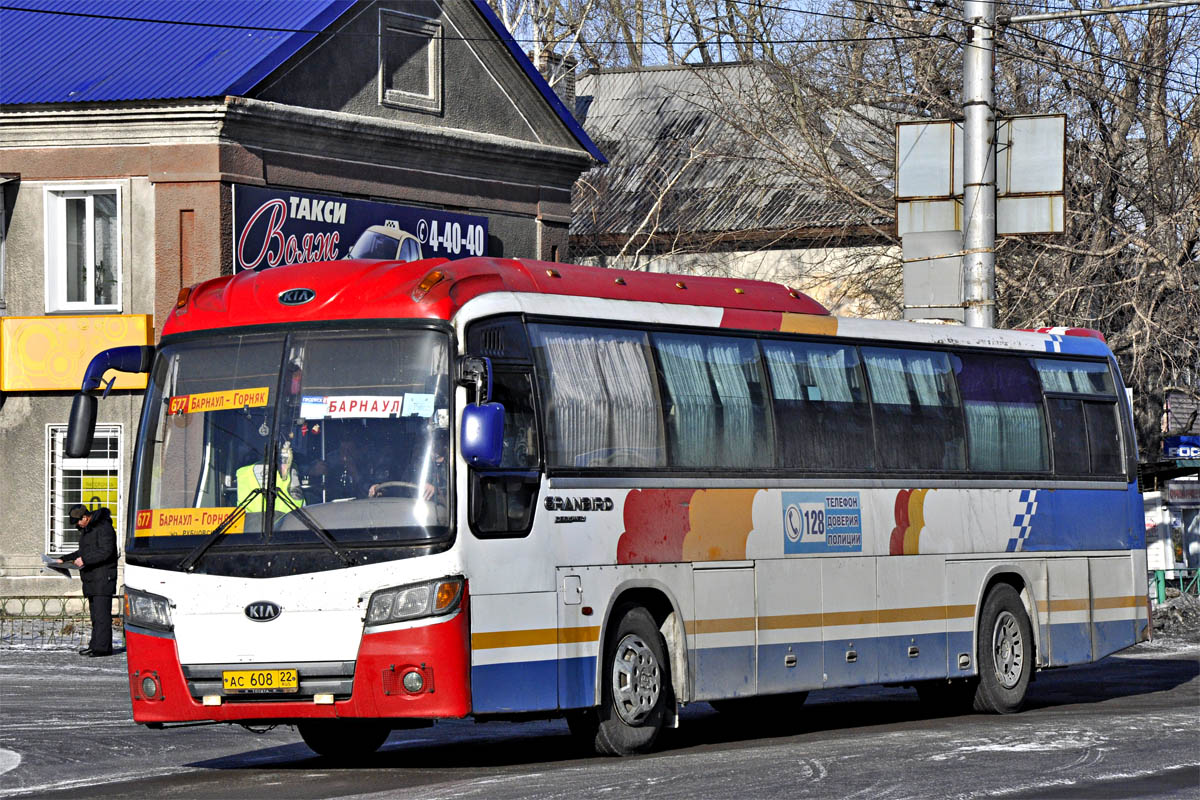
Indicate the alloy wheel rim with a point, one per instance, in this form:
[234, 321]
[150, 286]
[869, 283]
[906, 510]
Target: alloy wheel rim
[1008, 649]
[636, 680]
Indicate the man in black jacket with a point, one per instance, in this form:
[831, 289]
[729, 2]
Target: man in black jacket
[97, 562]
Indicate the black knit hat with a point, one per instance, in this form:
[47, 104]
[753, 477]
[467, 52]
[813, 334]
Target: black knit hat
[77, 513]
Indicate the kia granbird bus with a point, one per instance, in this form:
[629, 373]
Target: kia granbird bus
[367, 496]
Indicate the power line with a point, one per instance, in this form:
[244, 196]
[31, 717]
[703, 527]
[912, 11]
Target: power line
[1133, 65]
[326, 32]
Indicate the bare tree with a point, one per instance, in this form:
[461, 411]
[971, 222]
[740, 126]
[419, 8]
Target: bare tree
[1128, 262]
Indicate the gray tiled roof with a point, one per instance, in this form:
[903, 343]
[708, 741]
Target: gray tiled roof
[682, 161]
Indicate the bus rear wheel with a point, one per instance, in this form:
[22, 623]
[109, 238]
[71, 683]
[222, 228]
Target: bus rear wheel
[1005, 649]
[343, 739]
[636, 689]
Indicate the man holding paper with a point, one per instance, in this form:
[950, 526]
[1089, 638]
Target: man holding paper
[97, 562]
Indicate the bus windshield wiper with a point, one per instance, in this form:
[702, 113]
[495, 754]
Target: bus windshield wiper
[312, 525]
[189, 561]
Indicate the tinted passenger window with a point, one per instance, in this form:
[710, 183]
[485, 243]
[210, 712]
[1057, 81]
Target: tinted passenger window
[601, 402]
[1002, 402]
[1104, 439]
[714, 402]
[918, 421]
[1084, 416]
[822, 416]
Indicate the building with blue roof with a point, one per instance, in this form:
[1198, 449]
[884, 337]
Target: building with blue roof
[150, 144]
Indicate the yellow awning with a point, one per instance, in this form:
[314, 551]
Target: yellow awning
[49, 354]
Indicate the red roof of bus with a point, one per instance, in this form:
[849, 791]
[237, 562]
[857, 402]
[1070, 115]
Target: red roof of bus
[351, 289]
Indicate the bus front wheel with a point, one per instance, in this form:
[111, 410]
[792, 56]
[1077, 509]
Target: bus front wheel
[343, 738]
[1005, 650]
[636, 689]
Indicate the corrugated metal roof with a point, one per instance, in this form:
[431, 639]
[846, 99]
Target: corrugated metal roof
[60, 51]
[683, 159]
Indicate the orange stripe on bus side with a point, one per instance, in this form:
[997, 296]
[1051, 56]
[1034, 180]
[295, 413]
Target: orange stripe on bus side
[725, 625]
[547, 636]
[884, 616]
[1074, 604]
[1133, 601]
[534, 637]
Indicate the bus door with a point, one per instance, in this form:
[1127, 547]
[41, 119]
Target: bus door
[513, 598]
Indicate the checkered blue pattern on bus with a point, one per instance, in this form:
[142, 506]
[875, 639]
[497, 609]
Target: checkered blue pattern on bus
[1074, 519]
[1023, 521]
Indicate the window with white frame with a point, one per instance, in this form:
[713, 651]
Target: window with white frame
[93, 481]
[83, 249]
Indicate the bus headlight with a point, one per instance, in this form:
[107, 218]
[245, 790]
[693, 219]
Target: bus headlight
[147, 610]
[400, 603]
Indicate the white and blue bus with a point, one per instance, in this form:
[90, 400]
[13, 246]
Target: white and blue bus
[374, 494]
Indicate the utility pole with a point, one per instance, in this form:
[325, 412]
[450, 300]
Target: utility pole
[979, 164]
[979, 145]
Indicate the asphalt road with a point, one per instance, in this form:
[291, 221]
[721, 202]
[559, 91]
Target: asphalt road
[1126, 727]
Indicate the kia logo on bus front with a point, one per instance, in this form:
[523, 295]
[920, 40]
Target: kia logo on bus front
[296, 297]
[262, 611]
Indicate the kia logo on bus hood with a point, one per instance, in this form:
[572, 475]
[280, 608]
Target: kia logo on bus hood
[296, 297]
[263, 611]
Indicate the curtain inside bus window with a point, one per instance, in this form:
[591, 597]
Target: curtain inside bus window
[822, 417]
[918, 422]
[1075, 377]
[1084, 420]
[716, 403]
[601, 402]
[691, 410]
[1006, 429]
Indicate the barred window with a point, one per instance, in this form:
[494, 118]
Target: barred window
[93, 481]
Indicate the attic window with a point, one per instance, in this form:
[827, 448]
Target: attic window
[410, 62]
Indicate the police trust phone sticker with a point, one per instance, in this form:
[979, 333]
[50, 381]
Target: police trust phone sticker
[822, 522]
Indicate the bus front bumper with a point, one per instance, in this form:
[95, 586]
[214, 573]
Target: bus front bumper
[438, 653]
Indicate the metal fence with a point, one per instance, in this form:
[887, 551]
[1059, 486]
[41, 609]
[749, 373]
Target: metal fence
[1186, 581]
[50, 622]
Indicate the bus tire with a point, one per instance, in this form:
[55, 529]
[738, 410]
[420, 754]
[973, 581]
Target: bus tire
[1005, 649]
[636, 687]
[343, 739]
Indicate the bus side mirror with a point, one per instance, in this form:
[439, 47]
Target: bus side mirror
[482, 434]
[81, 426]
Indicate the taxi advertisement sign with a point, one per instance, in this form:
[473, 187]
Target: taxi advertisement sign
[218, 401]
[184, 521]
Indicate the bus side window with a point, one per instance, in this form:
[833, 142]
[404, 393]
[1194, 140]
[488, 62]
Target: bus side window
[1081, 397]
[502, 500]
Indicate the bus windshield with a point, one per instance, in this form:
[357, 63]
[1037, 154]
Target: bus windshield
[296, 440]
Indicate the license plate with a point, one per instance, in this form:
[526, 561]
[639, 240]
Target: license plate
[261, 681]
